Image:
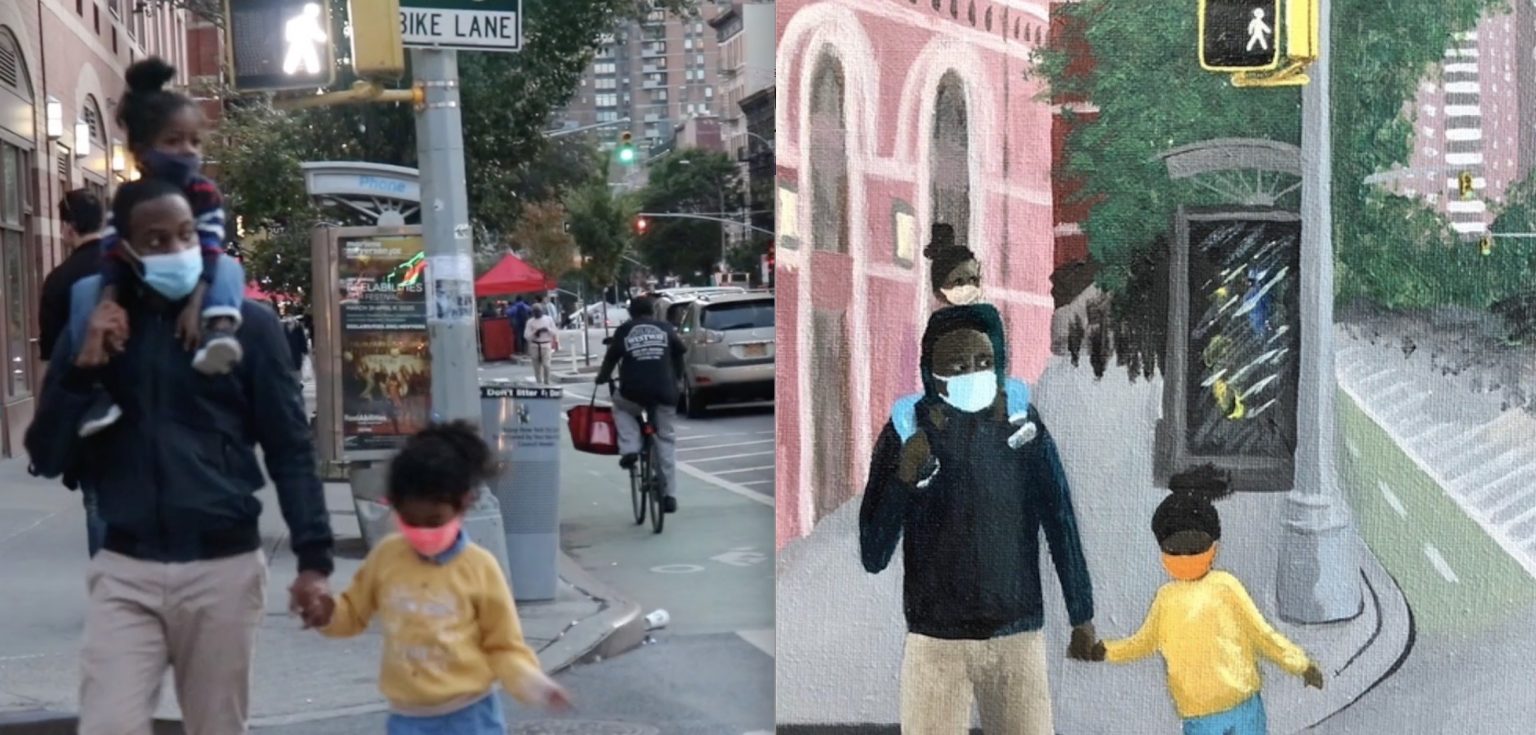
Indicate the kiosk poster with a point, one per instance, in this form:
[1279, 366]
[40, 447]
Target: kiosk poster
[385, 362]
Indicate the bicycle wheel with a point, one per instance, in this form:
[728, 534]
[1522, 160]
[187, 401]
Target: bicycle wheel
[637, 494]
[653, 475]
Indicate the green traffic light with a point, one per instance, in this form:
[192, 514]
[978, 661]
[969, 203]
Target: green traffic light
[626, 155]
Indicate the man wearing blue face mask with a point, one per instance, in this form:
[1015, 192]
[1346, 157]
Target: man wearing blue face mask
[969, 513]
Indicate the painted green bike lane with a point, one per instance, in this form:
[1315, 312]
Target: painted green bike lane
[1453, 573]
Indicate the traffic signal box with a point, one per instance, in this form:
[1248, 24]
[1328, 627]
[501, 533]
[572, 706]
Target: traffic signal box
[641, 224]
[1239, 35]
[1243, 37]
[626, 149]
[377, 50]
[280, 44]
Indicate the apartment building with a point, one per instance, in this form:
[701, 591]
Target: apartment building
[656, 72]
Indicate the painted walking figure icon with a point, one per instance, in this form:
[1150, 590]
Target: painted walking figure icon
[304, 33]
[1258, 31]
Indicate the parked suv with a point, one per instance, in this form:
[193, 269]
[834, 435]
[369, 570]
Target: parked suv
[730, 349]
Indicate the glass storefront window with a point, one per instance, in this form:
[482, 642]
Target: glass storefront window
[13, 270]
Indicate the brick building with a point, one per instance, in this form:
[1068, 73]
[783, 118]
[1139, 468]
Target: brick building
[57, 104]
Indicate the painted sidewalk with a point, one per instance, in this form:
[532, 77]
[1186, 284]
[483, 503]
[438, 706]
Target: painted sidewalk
[839, 647]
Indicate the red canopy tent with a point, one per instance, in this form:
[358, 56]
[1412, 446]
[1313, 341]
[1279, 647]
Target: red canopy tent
[512, 276]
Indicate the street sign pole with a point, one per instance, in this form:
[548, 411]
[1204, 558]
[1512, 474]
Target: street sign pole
[1319, 576]
[445, 228]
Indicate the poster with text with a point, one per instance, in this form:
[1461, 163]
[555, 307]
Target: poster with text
[386, 364]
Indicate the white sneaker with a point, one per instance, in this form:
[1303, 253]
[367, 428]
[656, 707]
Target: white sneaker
[96, 424]
[218, 356]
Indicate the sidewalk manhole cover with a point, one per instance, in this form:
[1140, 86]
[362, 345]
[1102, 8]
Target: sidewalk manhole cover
[580, 727]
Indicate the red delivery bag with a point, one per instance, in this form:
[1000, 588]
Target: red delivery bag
[593, 429]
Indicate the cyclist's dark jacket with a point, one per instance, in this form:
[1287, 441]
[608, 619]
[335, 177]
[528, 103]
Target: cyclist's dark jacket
[177, 475]
[649, 356]
[971, 538]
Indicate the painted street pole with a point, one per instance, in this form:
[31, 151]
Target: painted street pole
[1319, 576]
[445, 229]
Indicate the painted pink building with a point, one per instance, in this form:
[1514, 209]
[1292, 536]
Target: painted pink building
[1473, 115]
[897, 114]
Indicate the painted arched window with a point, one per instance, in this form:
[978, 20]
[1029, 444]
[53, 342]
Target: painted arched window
[949, 163]
[829, 157]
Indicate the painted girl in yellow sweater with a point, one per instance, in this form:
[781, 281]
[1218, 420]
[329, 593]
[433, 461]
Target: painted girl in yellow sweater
[1207, 629]
[450, 627]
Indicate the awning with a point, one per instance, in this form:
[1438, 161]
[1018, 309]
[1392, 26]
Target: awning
[512, 276]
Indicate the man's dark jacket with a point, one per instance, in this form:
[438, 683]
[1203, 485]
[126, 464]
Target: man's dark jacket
[53, 314]
[177, 476]
[649, 356]
[971, 538]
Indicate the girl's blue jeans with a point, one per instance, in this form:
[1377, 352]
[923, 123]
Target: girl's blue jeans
[484, 717]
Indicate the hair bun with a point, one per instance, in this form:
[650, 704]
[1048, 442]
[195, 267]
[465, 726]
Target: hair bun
[149, 75]
[1206, 482]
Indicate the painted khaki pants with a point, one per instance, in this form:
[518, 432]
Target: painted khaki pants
[1006, 677]
[199, 618]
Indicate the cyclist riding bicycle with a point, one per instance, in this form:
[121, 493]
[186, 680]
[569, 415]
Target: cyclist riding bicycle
[649, 356]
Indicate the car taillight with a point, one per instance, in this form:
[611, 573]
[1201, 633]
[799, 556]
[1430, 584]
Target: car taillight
[713, 337]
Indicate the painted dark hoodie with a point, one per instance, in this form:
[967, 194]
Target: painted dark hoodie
[971, 537]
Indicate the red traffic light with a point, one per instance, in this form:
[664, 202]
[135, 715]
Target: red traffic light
[640, 224]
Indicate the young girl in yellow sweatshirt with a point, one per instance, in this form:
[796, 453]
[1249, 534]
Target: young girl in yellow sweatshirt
[1207, 629]
[450, 627]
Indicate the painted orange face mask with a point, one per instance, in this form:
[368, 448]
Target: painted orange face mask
[1191, 567]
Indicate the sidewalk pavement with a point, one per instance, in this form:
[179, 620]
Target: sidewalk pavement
[841, 642]
[299, 676]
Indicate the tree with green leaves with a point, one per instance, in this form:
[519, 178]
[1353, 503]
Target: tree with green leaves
[600, 228]
[541, 238]
[1152, 96]
[692, 181]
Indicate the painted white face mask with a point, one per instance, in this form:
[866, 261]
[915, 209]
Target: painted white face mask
[962, 295]
[971, 392]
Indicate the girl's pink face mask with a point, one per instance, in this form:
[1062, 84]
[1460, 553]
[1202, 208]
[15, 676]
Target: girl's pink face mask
[430, 541]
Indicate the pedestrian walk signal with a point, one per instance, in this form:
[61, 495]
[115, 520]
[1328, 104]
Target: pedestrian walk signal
[1239, 35]
[280, 44]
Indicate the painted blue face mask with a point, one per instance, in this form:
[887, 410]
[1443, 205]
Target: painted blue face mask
[971, 392]
[169, 167]
[173, 275]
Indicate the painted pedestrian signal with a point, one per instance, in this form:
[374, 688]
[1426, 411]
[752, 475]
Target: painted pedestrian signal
[1239, 35]
[280, 44]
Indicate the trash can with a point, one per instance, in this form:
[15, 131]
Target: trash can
[374, 517]
[522, 424]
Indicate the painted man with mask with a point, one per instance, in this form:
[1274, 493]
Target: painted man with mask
[956, 277]
[969, 519]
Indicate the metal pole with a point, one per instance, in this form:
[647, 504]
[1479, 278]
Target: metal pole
[720, 187]
[445, 229]
[1319, 575]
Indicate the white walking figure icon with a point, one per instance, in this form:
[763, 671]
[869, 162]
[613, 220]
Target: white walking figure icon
[304, 35]
[1258, 31]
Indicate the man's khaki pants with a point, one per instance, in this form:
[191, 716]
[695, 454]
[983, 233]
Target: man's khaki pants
[199, 618]
[543, 359]
[1005, 677]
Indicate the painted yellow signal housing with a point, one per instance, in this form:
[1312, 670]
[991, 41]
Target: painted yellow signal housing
[1302, 26]
[1464, 184]
[1486, 246]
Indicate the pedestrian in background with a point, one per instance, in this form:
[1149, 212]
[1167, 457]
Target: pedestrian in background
[82, 215]
[520, 314]
[451, 630]
[298, 345]
[542, 343]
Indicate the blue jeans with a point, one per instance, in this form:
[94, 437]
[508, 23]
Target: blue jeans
[481, 718]
[95, 527]
[223, 299]
[1245, 719]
